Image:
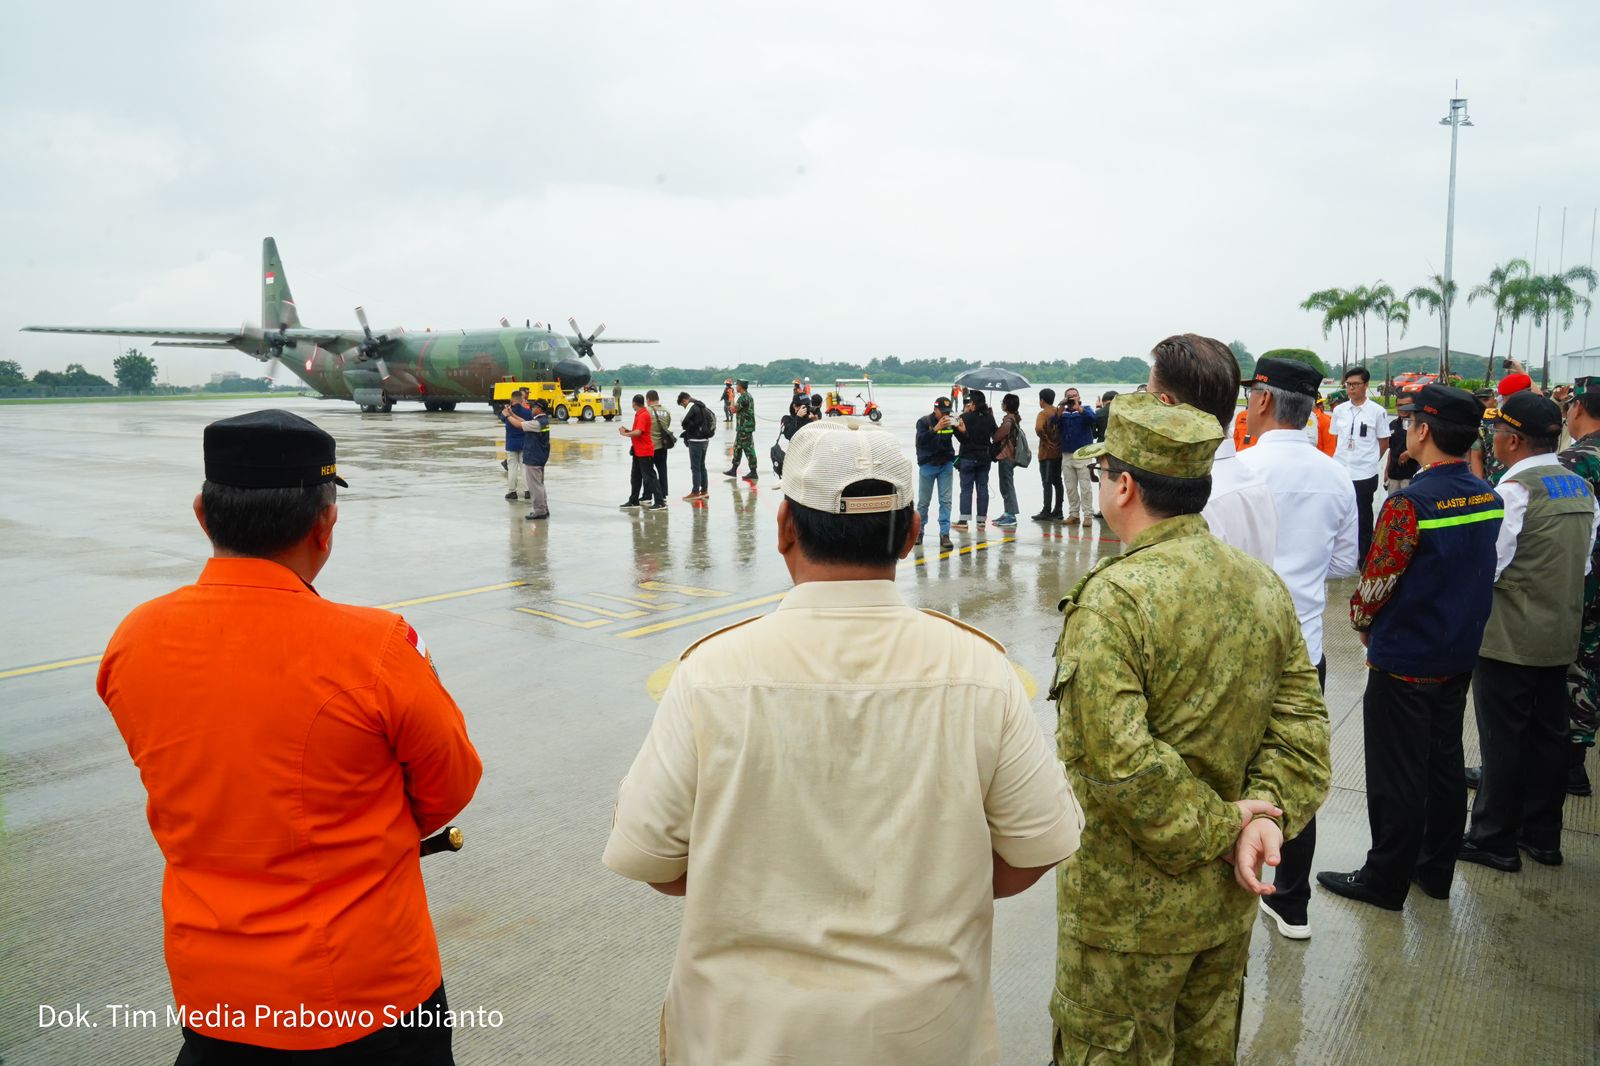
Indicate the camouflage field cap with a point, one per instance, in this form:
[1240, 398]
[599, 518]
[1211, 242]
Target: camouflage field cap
[1172, 439]
[1586, 387]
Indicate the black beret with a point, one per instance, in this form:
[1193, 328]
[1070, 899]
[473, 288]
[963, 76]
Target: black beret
[269, 450]
[1528, 413]
[1454, 406]
[1289, 375]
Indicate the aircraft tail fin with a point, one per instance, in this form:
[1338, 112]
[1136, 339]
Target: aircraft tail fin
[277, 303]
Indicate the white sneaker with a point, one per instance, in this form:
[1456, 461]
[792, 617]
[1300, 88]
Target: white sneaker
[1292, 932]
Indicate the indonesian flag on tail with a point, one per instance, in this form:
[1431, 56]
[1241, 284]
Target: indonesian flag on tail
[270, 278]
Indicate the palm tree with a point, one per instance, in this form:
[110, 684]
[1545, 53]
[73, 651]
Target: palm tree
[1500, 294]
[1391, 311]
[1437, 299]
[1333, 303]
[1522, 299]
[1559, 300]
[1363, 303]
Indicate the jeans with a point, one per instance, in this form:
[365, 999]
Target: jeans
[1080, 490]
[1008, 486]
[974, 474]
[697, 464]
[928, 475]
[643, 480]
[1364, 490]
[1050, 478]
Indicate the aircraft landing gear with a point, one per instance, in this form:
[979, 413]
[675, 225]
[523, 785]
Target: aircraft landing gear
[438, 405]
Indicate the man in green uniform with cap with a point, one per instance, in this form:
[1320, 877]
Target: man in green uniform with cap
[744, 432]
[1195, 735]
[1583, 676]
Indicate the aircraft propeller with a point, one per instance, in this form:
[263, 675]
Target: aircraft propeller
[584, 346]
[369, 348]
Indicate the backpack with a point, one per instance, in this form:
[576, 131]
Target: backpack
[1024, 452]
[707, 421]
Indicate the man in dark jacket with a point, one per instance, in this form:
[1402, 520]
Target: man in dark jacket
[976, 429]
[936, 458]
[699, 425]
[535, 429]
[513, 464]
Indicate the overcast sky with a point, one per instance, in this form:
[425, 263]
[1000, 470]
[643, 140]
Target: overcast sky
[754, 181]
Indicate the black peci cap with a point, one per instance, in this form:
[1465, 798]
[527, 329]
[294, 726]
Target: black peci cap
[1528, 413]
[1452, 406]
[1287, 374]
[269, 450]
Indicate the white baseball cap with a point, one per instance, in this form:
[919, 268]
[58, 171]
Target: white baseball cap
[825, 458]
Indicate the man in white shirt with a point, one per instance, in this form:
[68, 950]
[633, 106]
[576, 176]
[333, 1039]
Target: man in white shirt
[840, 843]
[1204, 374]
[1362, 430]
[1316, 540]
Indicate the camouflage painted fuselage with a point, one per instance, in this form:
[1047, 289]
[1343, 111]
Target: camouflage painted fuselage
[455, 366]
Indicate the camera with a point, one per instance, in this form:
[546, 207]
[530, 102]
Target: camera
[1505, 364]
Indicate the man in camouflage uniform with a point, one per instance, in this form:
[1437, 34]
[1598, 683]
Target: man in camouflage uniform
[744, 433]
[1196, 738]
[1583, 677]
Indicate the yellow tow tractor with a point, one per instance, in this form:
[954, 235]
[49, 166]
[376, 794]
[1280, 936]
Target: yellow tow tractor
[587, 403]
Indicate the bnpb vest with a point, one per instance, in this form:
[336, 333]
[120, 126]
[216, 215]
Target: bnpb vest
[1433, 624]
[1538, 601]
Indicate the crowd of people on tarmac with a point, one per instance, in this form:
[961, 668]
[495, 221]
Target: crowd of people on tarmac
[840, 866]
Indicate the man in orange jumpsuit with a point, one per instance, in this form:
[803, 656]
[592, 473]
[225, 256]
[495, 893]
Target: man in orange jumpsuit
[295, 752]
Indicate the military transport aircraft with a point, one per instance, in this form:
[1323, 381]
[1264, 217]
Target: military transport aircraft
[440, 368]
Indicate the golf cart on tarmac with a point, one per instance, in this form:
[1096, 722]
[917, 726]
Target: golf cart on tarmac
[836, 404]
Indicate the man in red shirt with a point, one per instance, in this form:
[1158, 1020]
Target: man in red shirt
[295, 752]
[643, 483]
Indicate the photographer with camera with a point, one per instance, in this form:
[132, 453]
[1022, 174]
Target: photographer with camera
[1075, 428]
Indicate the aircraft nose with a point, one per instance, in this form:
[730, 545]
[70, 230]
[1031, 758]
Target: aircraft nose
[573, 374]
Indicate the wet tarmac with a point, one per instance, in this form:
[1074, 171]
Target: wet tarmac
[548, 634]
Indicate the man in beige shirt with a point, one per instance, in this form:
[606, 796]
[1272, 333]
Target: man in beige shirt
[853, 823]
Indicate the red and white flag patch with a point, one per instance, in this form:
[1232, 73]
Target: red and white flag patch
[271, 278]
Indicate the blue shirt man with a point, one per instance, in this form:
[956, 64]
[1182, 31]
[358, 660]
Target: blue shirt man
[936, 459]
[514, 440]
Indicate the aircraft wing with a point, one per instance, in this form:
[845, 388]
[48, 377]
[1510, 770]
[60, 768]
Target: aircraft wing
[198, 333]
[245, 338]
[192, 344]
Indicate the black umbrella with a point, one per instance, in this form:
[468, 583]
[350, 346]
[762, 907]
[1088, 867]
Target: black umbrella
[993, 379]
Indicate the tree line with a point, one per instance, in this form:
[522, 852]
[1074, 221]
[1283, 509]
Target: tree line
[1512, 289]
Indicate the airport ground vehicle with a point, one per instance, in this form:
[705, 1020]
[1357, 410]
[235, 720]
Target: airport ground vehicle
[835, 404]
[585, 404]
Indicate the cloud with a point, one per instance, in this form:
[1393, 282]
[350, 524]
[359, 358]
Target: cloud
[757, 181]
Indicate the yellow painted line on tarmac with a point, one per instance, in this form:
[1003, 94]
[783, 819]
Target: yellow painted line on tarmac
[450, 595]
[669, 605]
[964, 550]
[701, 616]
[619, 616]
[22, 671]
[85, 660]
[687, 590]
[576, 623]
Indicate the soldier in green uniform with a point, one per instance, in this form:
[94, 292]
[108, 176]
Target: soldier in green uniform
[1194, 732]
[744, 433]
[1583, 677]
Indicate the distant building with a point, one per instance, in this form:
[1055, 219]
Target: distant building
[224, 376]
[1571, 366]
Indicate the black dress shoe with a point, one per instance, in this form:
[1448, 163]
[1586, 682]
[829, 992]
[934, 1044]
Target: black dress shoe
[1470, 852]
[1350, 886]
[1474, 776]
[1429, 887]
[1042, 516]
[511, 495]
[1542, 856]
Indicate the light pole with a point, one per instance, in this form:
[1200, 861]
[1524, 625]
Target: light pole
[1455, 120]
